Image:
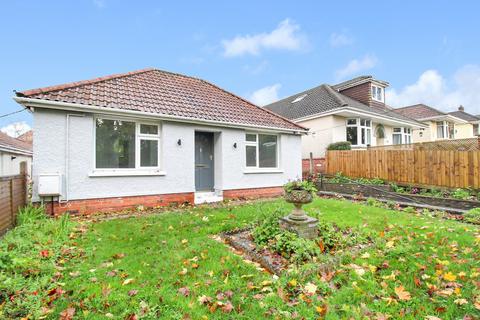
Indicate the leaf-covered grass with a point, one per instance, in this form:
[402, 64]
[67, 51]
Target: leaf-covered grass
[168, 266]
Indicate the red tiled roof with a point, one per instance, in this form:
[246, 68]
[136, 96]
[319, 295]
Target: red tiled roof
[27, 136]
[165, 93]
[419, 111]
[10, 143]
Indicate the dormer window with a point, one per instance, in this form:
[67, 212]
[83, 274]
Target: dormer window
[378, 93]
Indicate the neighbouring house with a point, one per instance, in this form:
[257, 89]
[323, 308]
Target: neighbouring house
[439, 125]
[13, 152]
[27, 136]
[151, 138]
[353, 110]
[473, 122]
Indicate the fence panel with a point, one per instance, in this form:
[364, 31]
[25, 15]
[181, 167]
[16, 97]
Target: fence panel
[446, 168]
[13, 195]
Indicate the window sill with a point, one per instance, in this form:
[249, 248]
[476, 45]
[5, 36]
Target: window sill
[126, 173]
[260, 170]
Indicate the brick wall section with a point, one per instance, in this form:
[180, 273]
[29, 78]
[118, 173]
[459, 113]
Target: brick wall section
[254, 193]
[362, 93]
[319, 166]
[89, 206]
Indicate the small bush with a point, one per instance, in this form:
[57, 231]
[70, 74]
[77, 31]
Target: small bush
[30, 214]
[341, 145]
[472, 216]
[409, 210]
[305, 185]
[374, 203]
[461, 194]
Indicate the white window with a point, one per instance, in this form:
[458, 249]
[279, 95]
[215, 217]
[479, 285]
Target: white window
[261, 150]
[402, 135]
[378, 93]
[126, 144]
[445, 130]
[359, 131]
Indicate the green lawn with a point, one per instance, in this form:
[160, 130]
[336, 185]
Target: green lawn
[164, 266]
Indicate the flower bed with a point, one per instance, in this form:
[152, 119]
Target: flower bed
[277, 250]
[460, 199]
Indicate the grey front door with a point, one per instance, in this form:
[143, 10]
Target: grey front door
[204, 174]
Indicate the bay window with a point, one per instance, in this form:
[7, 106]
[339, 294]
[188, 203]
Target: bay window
[359, 131]
[126, 144]
[402, 135]
[261, 150]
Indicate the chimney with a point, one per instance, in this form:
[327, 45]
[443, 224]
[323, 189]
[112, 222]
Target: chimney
[461, 108]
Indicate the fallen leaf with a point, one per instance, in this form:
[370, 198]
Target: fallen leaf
[310, 288]
[203, 299]
[449, 276]
[460, 301]
[132, 292]
[127, 281]
[67, 314]
[227, 307]
[184, 291]
[402, 293]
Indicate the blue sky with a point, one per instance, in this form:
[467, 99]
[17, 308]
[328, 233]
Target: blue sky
[262, 50]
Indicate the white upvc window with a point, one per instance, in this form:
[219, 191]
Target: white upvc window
[261, 150]
[445, 130]
[123, 145]
[378, 93]
[359, 131]
[402, 135]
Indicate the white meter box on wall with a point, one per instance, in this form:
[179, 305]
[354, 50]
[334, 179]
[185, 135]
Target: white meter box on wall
[49, 184]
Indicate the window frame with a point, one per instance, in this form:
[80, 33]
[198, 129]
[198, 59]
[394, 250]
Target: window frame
[404, 133]
[360, 127]
[256, 145]
[376, 88]
[138, 169]
[446, 125]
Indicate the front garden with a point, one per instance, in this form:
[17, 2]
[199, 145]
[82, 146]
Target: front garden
[377, 264]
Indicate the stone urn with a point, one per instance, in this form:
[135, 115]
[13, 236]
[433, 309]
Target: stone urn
[297, 221]
[298, 198]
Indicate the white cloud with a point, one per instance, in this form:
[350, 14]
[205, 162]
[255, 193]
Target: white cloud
[265, 95]
[340, 39]
[356, 65]
[100, 3]
[435, 90]
[15, 129]
[286, 37]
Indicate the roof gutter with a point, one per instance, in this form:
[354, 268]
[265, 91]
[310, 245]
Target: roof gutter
[443, 116]
[57, 105]
[15, 150]
[362, 112]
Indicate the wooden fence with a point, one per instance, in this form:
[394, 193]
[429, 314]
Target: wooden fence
[446, 168]
[13, 195]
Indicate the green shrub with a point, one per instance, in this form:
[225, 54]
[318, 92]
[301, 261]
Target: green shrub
[341, 145]
[300, 185]
[374, 181]
[267, 227]
[30, 214]
[409, 210]
[461, 194]
[472, 216]
[374, 203]
[339, 178]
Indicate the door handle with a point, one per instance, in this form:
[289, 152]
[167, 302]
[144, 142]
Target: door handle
[201, 166]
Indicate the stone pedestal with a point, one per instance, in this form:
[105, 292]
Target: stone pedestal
[305, 228]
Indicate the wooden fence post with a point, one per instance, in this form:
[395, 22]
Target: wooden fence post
[12, 210]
